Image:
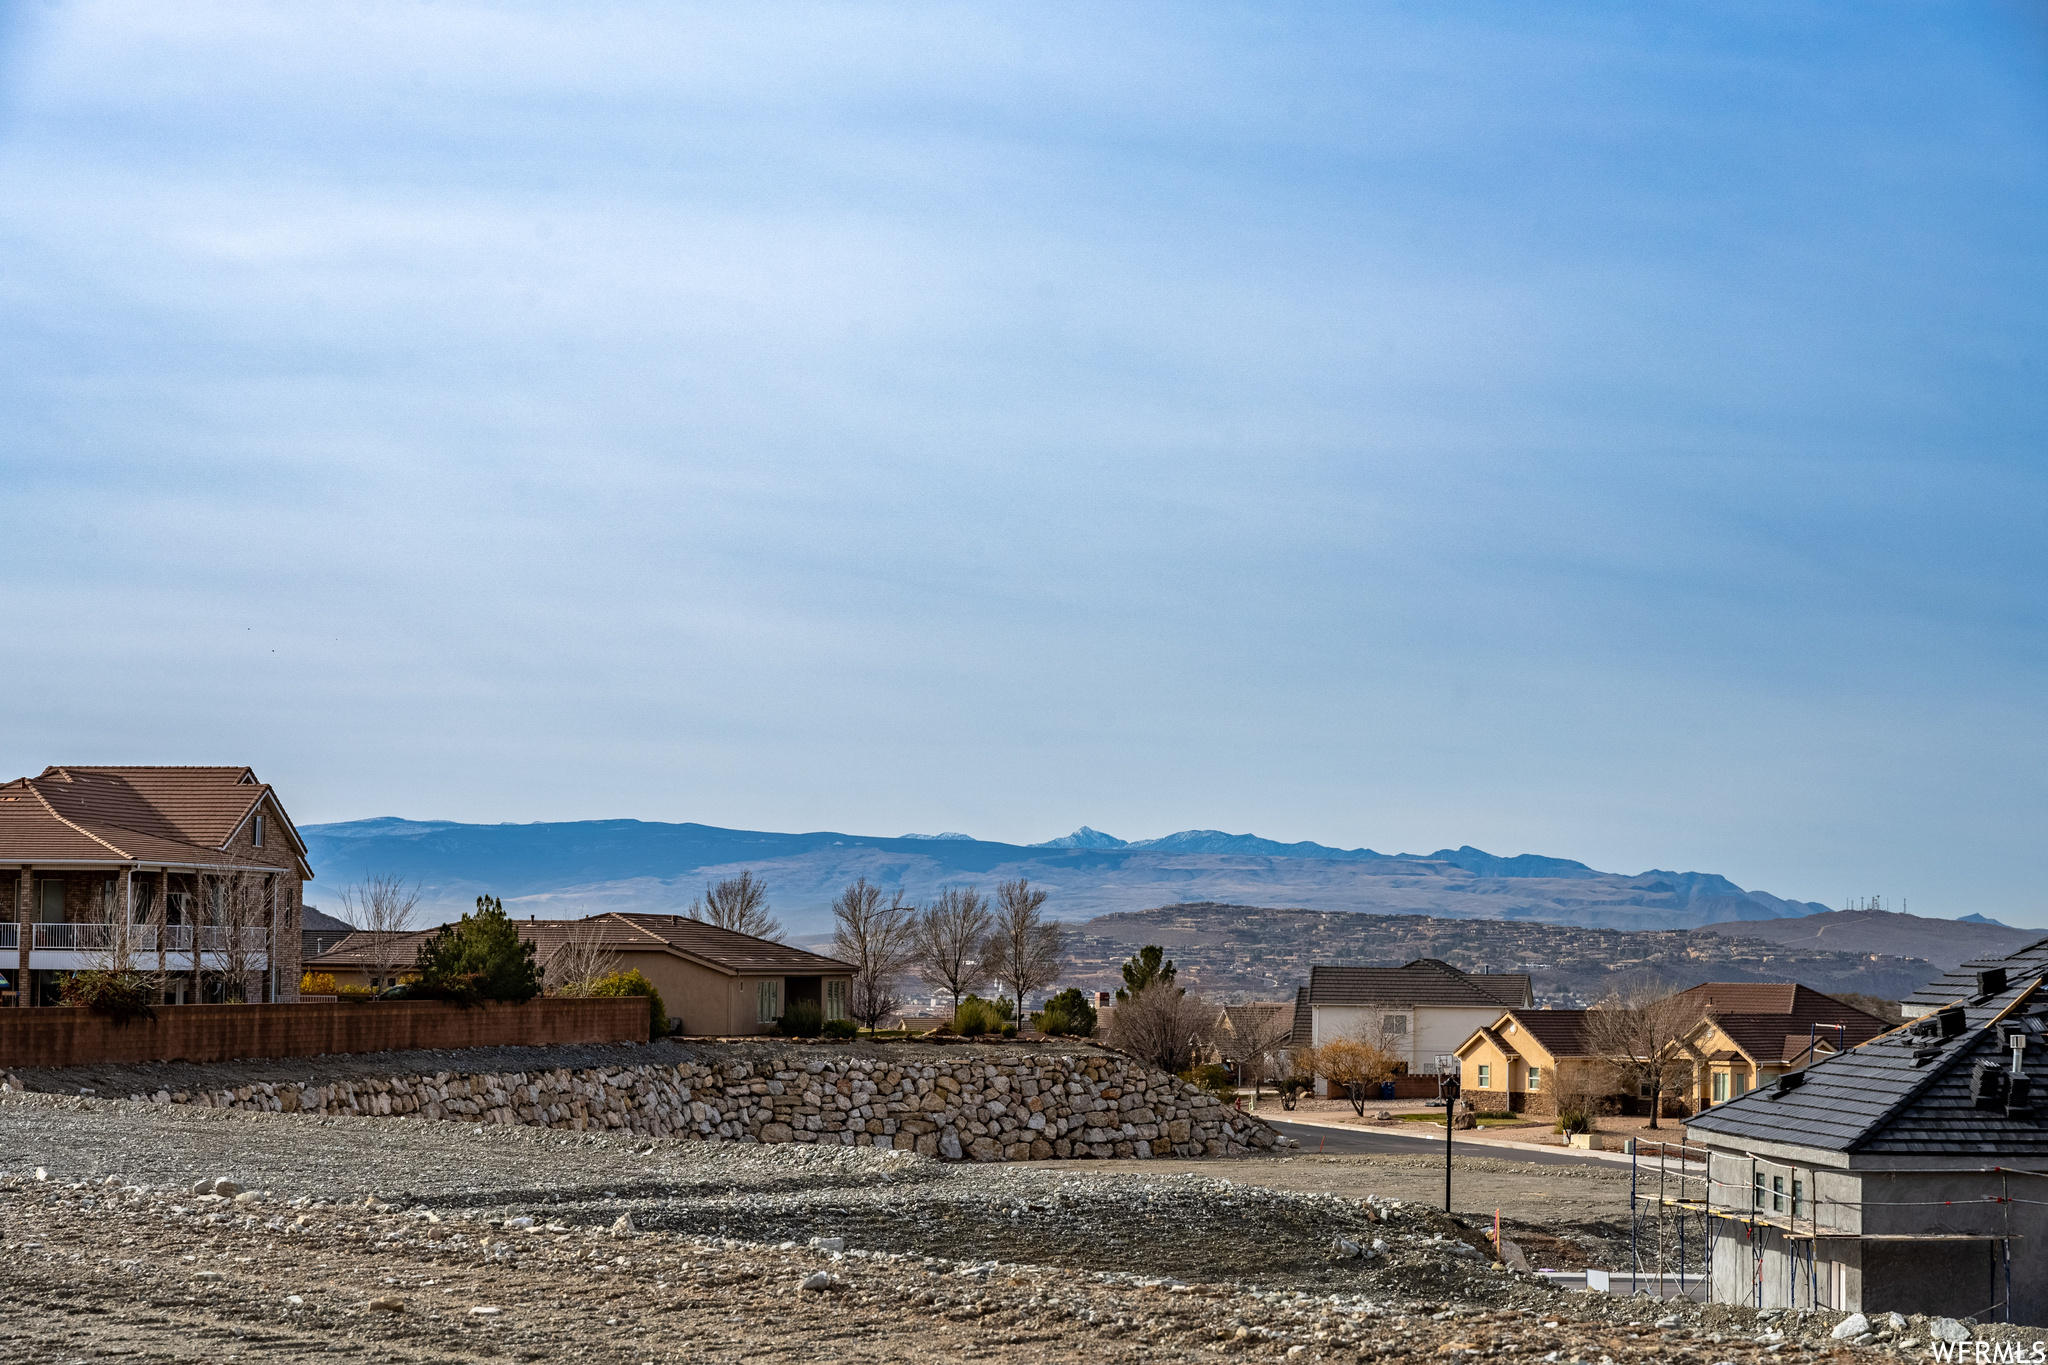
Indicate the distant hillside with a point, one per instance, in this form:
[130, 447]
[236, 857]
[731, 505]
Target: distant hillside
[1244, 952]
[1944, 942]
[589, 866]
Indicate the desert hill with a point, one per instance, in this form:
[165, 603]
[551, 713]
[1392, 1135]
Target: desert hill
[1944, 942]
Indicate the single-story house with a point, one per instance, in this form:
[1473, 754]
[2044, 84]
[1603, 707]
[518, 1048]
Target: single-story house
[1264, 1026]
[717, 982]
[1421, 1011]
[191, 876]
[320, 931]
[1897, 1175]
[1525, 1059]
[1752, 1033]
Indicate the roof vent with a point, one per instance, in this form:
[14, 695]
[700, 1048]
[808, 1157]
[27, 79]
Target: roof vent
[1988, 1082]
[1788, 1083]
[1991, 981]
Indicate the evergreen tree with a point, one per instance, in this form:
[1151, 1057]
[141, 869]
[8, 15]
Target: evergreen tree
[1150, 965]
[481, 958]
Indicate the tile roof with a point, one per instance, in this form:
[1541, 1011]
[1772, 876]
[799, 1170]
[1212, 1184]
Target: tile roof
[1960, 981]
[1562, 1033]
[1775, 1022]
[1304, 1019]
[1425, 981]
[1245, 1021]
[720, 949]
[86, 813]
[1903, 1093]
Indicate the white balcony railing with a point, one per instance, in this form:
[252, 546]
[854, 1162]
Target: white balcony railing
[134, 938]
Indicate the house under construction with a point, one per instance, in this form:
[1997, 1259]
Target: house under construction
[1906, 1174]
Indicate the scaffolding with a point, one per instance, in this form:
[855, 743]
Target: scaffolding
[1782, 1198]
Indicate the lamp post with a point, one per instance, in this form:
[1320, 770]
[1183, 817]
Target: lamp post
[1450, 1087]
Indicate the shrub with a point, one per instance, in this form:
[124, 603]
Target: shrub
[355, 992]
[316, 983]
[633, 983]
[840, 1028]
[119, 996]
[1068, 1014]
[480, 958]
[804, 1019]
[1574, 1121]
[975, 1017]
[1009, 1030]
[1213, 1078]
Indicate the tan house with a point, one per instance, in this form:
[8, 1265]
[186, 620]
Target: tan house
[1525, 1059]
[1242, 1030]
[190, 875]
[715, 981]
[1751, 1034]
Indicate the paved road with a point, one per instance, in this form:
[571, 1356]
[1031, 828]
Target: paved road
[1355, 1142]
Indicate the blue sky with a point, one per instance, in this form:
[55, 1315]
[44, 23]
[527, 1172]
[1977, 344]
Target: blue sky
[1607, 432]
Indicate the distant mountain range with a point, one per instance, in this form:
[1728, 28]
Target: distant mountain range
[585, 867]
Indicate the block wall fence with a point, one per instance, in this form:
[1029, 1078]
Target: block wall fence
[69, 1036]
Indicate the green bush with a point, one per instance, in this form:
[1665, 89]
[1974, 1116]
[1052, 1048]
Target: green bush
[479, 958]
[975, 1017]
[353, 992]
[1009, 1030]
[1574, 1121]
[633, 983]
[841, 1028]
[119, 996]
[804, 1019]
[1214, 1078]
[1068, 1014]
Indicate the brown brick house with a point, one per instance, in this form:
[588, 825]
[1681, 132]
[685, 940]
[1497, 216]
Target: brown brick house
[719, 983]
[193, 875]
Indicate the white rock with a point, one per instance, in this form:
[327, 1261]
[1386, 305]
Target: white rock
[1947, 1329]
[485, 1311]
[42, 1174]
[1895, 1321]
[295, 1301]
[1855, 1325]
[225, 1188]
[829, 1243]
[817, 1280]
[1345, 1248]
[623, 1226]
[520, 1222]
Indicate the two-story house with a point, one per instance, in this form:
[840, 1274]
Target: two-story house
[190, 876]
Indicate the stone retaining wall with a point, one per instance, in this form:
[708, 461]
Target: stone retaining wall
[982, 1108]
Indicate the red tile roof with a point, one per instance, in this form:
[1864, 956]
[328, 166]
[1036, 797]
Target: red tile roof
[1772, 1021]
[719, 949]
[179, 816]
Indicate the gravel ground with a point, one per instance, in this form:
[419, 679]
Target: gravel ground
[394, 1240]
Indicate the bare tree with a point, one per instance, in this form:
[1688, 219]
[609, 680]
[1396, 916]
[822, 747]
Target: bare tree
[1356, 1065]
[880, 941]
[380, 908]
[1642, 1032]
[1257, 1041]
[950, 934]
[1164, 1025]
[585, 956]
[1024, 951]
[739, 904]
[236, 907]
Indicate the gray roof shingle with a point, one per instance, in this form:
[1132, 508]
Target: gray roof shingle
[1425, 981]
[1901, 1094]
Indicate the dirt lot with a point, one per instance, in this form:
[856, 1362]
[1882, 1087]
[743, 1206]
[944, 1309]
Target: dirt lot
[408, 1240]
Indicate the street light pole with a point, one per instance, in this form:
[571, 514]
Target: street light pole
[1450, 1087]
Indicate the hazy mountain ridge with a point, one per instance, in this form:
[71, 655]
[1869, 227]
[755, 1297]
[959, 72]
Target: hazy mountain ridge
[584, 867]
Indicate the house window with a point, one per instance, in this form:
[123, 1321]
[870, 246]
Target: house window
[259, 829]
[769, 995]
[1777, 1194]
[1741, 1084]
[1798, 1196]
[1485, 1076]
[1535, 1078]
[1720, 1087]
[50, 910]
[1757, 1190]
[1394, 1024]
[835, 999]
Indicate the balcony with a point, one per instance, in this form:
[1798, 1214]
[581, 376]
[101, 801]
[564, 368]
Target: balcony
[133, 939]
